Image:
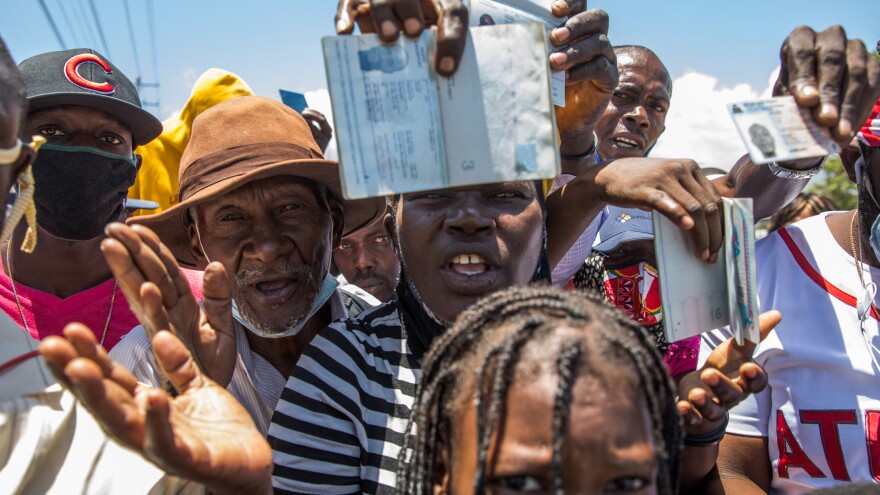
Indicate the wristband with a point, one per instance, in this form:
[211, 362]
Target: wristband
[11, 155]
[709, 438]
[787, 173]
[584, 156]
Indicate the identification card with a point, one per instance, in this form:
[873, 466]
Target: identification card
[778, 130]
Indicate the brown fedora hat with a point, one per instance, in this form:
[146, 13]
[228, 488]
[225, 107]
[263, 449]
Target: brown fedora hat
[239, 141]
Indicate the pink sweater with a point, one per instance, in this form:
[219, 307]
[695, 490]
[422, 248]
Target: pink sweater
[47, 314]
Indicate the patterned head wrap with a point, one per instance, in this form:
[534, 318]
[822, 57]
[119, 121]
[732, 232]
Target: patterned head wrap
[870, 133]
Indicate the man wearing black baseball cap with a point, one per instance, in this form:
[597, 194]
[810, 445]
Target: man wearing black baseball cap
[91, 116]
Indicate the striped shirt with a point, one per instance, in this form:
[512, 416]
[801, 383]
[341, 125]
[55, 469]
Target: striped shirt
[341, 420]
[255, 382]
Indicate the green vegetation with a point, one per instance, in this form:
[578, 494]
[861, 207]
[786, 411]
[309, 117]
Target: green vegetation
[835, 184]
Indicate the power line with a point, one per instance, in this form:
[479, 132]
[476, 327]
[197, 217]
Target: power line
[52, 25]
[68, 21]
[83, 21]
[151, 24]
[137, 60]
[100, 29]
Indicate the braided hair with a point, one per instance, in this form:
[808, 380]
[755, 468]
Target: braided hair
[519, 329]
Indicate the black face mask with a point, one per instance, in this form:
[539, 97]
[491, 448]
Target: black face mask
[79, 190]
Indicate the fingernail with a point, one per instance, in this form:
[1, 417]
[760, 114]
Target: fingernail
[388, 29]
[713, 258]
[341, 25]
[558, 58]
[447, 65]
[808, 90]
[412, 26]
[704, 255]
[829, 110]
[561, 34]
[844, 127]
[699, 400]
[560, 4]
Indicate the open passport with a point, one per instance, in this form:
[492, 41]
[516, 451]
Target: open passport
[698, 296]
[402, 128]
[491, 12]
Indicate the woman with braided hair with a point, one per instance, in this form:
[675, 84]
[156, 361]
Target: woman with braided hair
[523, 393]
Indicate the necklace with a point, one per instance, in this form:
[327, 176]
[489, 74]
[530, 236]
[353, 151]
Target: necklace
[857, 254]
[21, 310]
[870, 291]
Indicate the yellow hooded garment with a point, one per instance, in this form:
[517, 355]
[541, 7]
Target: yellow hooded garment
[157, 179]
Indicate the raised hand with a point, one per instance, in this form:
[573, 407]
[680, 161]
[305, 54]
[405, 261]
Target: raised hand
[388, 17]
[203, 434]
[834, 76]
[728, 377]
[587, 57]
[160, 297]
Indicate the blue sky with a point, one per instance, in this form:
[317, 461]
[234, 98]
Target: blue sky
[276, 43]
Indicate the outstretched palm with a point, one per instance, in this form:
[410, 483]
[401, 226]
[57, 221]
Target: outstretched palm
[727, 377]
[161, 298]
[203, 434]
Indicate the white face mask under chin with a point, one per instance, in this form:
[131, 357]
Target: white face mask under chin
[328, 287]
[327, 290]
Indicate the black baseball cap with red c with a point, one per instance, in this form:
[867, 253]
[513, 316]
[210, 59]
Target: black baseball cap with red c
[86, 78]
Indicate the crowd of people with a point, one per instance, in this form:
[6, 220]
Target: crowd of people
[194, 306]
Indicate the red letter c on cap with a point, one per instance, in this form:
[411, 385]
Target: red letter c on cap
[70, 70]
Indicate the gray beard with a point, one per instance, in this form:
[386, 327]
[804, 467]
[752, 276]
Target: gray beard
[245, 278]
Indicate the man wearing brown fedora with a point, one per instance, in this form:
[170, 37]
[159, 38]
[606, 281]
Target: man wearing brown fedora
[260, 211]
